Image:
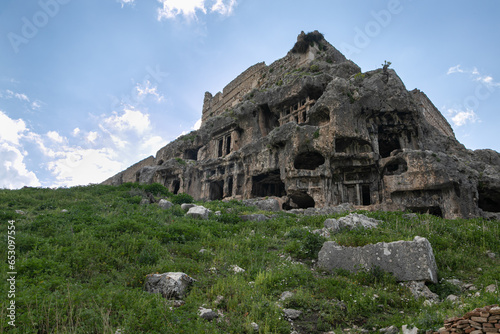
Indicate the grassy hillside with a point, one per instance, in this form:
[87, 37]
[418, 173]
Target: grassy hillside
[83, 271]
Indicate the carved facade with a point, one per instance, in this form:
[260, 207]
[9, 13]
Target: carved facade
[313, 131]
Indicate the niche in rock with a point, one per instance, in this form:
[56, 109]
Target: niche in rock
[191, 154]
[267, 120]
[176, 185]
[489, 199]
[216, 190]
[388, 142]
[320, 116]
[431, 210]
[352, 146]
[308, 160]
[299, 200]
[396, 167]
[268, 184]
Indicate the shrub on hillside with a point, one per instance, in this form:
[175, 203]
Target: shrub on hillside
[182, 198]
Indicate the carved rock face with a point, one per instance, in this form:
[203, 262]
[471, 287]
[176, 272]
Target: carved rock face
[311, 130]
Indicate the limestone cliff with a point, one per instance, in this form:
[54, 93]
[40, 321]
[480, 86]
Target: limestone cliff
[313, 131]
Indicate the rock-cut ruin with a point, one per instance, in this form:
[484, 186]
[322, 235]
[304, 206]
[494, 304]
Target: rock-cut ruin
[312, 130]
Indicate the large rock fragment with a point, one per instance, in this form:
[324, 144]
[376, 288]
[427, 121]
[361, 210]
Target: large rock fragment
[407, 260]
[169, 285]
[269, 204]
[350, 222]
[198, 212]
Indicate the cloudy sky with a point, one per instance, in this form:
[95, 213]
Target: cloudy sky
[89, 87]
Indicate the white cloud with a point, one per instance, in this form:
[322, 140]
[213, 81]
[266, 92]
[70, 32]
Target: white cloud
[53, 135]
[131, 119]
[126, 2]
[11, 130]
[19, 96]
[77, 166]
[148, 89]
[487, 80]
[224, 8]
[188, 8]
[461, 117]
[76, 131]
[455, 69]
[91, 137]
[13, 171]
[196, 125]
[35, 105]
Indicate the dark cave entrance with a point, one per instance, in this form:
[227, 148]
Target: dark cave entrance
[388, 142]
[489, 199]
[191, 154]
[216, 190]
[308, 160]
[299, 200]
[268, 184]
[431, 210]
[176, 185]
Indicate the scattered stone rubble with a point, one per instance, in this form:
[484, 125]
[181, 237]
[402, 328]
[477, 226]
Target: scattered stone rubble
[478, 321]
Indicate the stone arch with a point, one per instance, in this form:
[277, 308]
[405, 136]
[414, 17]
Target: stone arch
[308, 160]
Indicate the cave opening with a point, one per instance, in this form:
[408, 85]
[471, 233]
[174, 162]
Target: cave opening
[268, 184]
[230, 186]
[396, 167]
[388, 142]
[176, 185]
[191, 154]
[489, 199]
[431, 210]
[308, 160]
[216, 190]
[365, 195]
[299, 200]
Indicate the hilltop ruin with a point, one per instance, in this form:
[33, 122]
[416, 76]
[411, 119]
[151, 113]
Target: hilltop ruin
[312, 130]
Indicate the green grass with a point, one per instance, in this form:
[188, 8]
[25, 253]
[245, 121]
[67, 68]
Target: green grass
[83, 271]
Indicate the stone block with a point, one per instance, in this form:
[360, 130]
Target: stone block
[164, 204]
[407, 260]
[198, 212]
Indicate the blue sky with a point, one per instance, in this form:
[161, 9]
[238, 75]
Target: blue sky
[89, 87]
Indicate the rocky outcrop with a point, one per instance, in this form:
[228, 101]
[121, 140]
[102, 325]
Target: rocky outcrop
[312, 131]
[406, 260]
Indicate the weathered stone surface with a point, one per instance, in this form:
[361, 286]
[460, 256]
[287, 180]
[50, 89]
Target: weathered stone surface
[164, 204]
[254, 218]
[187, 206]
[419, 289]
[350, 222]
[169, 285]
[207, 314]
[407, 260]
[311, 131]
[406, 330]
[269, 204]
[292, 314]
[198, 212]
